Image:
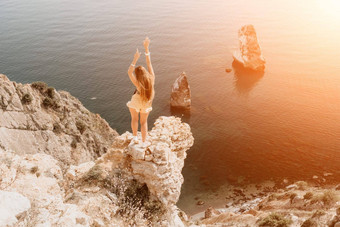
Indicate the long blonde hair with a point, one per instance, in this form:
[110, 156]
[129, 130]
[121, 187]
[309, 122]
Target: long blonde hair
[145, 83]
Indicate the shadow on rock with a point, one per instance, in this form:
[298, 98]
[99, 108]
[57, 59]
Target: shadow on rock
[245, 79]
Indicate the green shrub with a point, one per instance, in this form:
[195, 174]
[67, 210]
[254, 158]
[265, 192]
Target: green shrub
[137, 195]
[329, 197]
[275, 220]
[39, 85]
[34, 169]
[26, 99]
[48, 102]
[95, 173]
[50, 92]
[56, 128]
[80, 126]
[74, 143]
[154, 209]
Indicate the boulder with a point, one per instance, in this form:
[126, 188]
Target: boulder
[211, 212]
[12, 206]
[249, 53]
[181, 93]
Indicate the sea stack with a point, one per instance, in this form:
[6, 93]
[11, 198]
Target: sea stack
[249, 54]
[181, 93]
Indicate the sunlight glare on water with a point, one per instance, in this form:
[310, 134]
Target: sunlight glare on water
[284, 123]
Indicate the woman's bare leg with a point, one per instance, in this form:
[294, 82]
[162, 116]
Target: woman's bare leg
[134, 121]
[144, 125]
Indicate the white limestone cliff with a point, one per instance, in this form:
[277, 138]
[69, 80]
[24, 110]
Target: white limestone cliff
[55, 183]
[35, 118]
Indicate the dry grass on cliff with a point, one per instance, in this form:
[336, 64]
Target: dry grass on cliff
[275, 220]
[136, 206]
[328, 198]
[26, 99]
[134, 201]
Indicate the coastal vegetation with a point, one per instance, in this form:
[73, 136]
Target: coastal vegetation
[275, 220]
[26, 99]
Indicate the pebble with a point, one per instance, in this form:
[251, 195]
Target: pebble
[200, 202]
[292, 186]
[294, 218]
[228, 70]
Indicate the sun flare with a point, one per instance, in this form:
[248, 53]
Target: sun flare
[330, 8]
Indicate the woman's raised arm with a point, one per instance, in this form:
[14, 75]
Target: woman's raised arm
[147, 56]
[132, 67]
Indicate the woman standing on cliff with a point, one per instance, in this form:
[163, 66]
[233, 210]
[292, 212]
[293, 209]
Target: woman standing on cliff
[141, 101]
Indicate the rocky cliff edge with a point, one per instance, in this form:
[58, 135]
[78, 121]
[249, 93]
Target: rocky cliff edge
[62, 165]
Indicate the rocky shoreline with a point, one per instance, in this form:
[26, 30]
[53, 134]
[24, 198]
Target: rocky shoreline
[293, 204]
[61, 165]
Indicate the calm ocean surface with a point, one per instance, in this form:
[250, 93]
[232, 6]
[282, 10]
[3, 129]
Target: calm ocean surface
[282, 124]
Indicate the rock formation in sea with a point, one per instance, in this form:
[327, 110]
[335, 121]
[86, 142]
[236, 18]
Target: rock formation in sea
[249, 53]
[181, 93]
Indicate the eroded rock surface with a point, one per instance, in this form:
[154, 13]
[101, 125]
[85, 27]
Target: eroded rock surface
[64, 166]
[297, 205]
[12, 206]
[249, 53]
[130, 185]
[35, 118]
[181, 93]
[159, 165]
[39, 179]
[152, 173]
